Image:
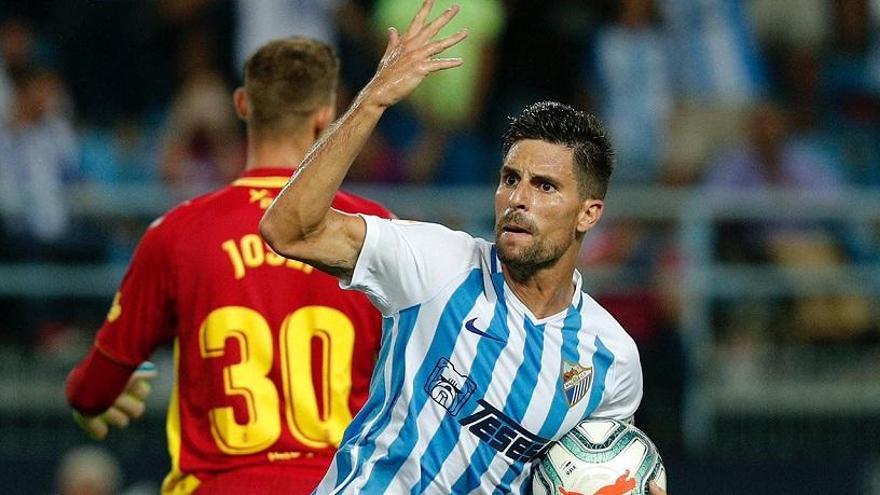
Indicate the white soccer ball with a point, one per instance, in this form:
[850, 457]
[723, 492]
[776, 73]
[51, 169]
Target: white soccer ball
[599, 456]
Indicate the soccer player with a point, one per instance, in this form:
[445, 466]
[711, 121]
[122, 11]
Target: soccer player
[492, 350]
[272, 358]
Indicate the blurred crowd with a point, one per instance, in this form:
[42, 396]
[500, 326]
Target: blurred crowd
[730, 93]
[723, 95]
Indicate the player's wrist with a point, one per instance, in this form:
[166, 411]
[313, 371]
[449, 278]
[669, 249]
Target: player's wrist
[372, 98]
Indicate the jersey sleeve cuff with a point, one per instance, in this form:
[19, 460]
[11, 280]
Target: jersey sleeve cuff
[361, 277]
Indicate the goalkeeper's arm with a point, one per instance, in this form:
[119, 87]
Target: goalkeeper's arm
[103, 392]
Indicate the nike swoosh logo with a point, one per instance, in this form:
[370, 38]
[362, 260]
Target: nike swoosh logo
[470, 327]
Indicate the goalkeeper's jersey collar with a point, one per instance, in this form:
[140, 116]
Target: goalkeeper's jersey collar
[272, 177]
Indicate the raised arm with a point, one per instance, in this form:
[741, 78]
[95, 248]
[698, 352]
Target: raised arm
[300, 223]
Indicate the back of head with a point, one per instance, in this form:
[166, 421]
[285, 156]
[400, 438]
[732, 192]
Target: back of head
[286, 80]
[557, 123]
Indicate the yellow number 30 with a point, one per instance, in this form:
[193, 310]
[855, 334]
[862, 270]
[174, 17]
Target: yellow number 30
[248, 378]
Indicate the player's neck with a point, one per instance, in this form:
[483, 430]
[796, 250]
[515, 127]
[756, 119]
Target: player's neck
[276, 152]
[546, 291]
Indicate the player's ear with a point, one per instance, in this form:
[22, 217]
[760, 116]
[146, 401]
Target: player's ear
[239, 99]
[589, 215]
[323, 117]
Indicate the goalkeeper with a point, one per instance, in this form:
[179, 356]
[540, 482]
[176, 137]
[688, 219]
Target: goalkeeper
[266, 373]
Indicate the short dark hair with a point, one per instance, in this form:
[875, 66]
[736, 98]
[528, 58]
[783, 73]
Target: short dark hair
[558, 123]
[287, 79]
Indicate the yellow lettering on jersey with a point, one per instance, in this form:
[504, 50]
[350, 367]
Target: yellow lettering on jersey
[283, 456]
[313, 426]
[231, 249]
[115, 308]
[273, 258]
[288, 456]
[251, 252]
[261, 195]
[299, 265]
[306, 423]
[246, 379]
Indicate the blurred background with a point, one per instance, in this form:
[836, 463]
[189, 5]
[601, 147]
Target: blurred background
[739, 246]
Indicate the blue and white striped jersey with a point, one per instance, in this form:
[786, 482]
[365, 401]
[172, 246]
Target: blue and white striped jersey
[469, 386]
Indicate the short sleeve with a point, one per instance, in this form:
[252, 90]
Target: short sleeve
[625, 392]
[405, 263]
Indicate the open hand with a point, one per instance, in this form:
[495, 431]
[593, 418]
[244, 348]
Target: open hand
[129, 405]
[409, 58]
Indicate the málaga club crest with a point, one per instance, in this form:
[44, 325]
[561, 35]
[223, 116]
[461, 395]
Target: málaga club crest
[576, 380]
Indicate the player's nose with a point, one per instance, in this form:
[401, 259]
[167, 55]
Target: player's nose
[519, 196]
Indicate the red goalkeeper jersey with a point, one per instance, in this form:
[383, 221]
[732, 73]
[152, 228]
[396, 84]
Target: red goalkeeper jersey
[272, 359]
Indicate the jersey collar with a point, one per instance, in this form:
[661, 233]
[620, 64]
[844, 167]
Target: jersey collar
[270, 177]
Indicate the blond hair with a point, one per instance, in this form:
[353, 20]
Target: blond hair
[288, 79]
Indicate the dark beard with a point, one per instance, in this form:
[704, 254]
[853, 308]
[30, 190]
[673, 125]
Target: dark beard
[533, 259]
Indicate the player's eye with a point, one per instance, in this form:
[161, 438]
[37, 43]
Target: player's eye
[547, 187]
[509, 179]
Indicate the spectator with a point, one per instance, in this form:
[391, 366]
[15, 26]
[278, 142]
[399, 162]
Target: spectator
[774, 158]
[718, 72]
[201, 146]
[630, 78]
[718, 58]
[38, 152]
[769, 158]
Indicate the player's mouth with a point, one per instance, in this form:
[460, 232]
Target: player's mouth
[515, 225]
[515, 231]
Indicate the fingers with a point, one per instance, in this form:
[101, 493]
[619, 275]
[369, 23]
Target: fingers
[131, 406]
[116, 417]
[139, 388]
[95, 426]
[432, 29]
[124, 409]
[146, 370]
[419, 20]
[393, 39]
[441, 45]
[443, 63]
[409, 58]
[139, 383]
[418, 28]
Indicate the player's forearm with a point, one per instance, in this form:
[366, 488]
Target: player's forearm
[303, 205]
[95, 383]
[300, 223]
